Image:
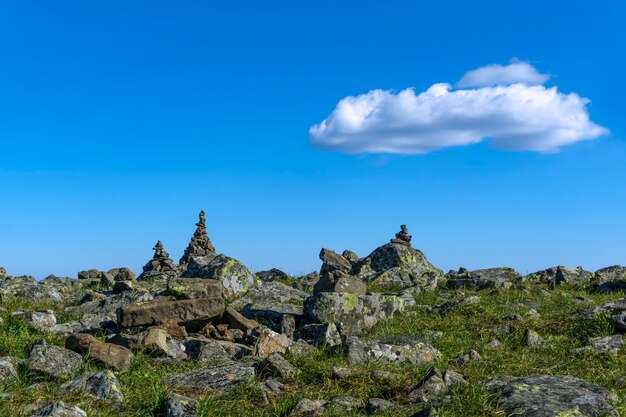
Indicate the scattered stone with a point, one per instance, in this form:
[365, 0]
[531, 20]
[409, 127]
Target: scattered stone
[609, 345]
[200, 244]
[276, 365]
[180, 406]
[161, 261]
[452, 378]
[8, 374]
[59, 409]
[494, 343]
[308, 408]
[193, 314]
[533, 340]
[101, 385]
[236, 320]
[466, 357]
[52, 361]
[216, 380]
[269, 342]
[287, 325]
[394, 349]
[42, 320]
[376, 405]
[543, 395]
[431, 387]
[319, 334]
[342, 373]
[111, 355]
[121, 274]
[206, 350]
[121, 286]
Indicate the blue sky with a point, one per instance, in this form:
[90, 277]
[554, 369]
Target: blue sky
[119, 122]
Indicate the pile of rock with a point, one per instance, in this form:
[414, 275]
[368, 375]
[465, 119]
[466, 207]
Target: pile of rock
[161, 261]
[200, 244]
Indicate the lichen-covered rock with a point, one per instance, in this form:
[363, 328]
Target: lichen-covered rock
[180, 406]
[52, 361]
[400, 265]
[431, 387]
[269, 342]
[308, 408]
[351, 313]
[544, 395]
[609, 345]
[234, 276]
[42, 320]
[58, 409]
[325, 334]
[192, 288]
[611, 273]
[100, 385]
[121, 274]
[3, 273]
[482, 278]
[338, 281]
[560, 275]
[276, 365]
[332, 261]
[216, 380]
[206, 350]
[8, 374]
[114, 356]
[393, 349]
[270, 301]
[533, 340]
[273, 274]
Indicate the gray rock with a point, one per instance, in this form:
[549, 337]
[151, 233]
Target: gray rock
[42, 320]
[611, 273]
[100, 385]
[325, 334]
[192, 288]
[610, 345]
[59, 409]
[482, 278]
[235, 277]
[533, 340]
[560, 275]
[543, 395]
[180, 406]
[332, 261]
[276, 365]
[352, 314]
[466, 357]
[8, 374]
[431, 387]
[376, 405]
[3, 273]
[270, 301]
[308, 408]
[399, 265]
[52, 361]
[206, 350]
[393, 349]
[338, 281]
[273, 274]
[216, 380]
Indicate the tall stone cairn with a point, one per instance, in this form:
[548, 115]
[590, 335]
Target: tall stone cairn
[403, 237]
[200, 244]
[161, 261]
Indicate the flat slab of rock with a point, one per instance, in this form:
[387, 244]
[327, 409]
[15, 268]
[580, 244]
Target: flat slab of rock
[52, 361]
[114, 356]
[193, 314]
[59, 409]
[543, 395]
[217, 379]
[394, 349]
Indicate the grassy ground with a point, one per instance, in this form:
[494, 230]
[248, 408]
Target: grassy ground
[469, 327]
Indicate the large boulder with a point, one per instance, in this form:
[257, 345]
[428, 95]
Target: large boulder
[481, 279]
[235, 277]
[339, 282]
[190, 288]
[193, 314]
[399, 265]
[270, 302]
[560, 275]
[351, 313]
[544, 395]
[393, 349]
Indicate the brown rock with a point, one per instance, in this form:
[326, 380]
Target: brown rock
[403, 237]
[338, 281]
[193, 314]
[173, 329]
[269, 342]
[155, 341]
[161, 261]
[236, 320]
[334, 262]
[111, 355]
[190, 288]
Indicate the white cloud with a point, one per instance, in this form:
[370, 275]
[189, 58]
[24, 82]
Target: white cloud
[515, 116]
[495, 74]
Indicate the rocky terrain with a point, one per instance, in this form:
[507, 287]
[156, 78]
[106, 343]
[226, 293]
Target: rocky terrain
[387, 334]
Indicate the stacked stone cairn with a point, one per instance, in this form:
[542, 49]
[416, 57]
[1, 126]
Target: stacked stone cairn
[200, 244]
[161, 261]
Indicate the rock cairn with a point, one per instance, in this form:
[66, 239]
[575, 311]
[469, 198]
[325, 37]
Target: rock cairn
[402, 237]
[161, 261]
[200, 244]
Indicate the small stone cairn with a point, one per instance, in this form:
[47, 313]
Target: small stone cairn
[161, 261]
[200, 244]
[402, 237]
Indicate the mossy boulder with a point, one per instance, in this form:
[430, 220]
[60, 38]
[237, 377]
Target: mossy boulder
[400, 265]
[234, 276]
[353, 314]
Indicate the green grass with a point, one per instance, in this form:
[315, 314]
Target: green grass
[468, 327]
